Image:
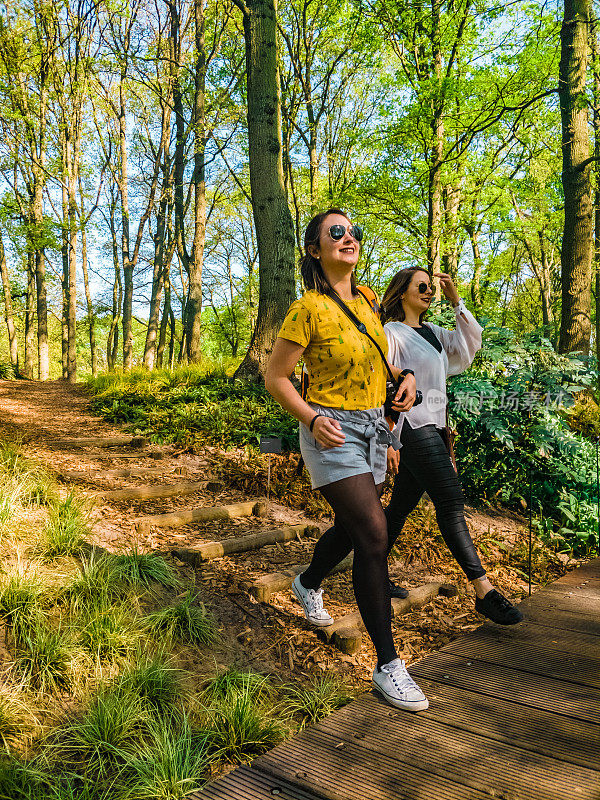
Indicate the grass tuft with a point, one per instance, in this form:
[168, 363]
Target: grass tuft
[233, 681]
[21, 602]
[98, 584]
[137, 569]
[66, 530]
[171, 766]
[104, 738]
[16, 716]
[45, 659]
[108, 633]
[238, 728]
[156, 682]
[324, 697]
[27, 480]
[183, 622]
[19, 781]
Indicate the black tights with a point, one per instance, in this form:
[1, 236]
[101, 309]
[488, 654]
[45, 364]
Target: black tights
[425, 466]
[359, 524]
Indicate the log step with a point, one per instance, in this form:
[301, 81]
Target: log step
[263, 588]
[241, 544]
[346, 632]
[103, 441]
[150, 492]
[187, 515]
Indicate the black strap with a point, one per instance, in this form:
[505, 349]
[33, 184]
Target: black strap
[361, 327]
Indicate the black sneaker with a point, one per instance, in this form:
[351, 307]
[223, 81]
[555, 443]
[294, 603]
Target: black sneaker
[397, 591]
[496, 607]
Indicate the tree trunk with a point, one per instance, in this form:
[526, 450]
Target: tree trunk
[596, 107]
[8, 311]
[576, 257]
[476, 295]
[112, 342]
[193, 311]
[29, 317]
[434, 216]
[272, 218]
[90, 305]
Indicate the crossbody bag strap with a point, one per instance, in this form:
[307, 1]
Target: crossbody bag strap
[361, 327]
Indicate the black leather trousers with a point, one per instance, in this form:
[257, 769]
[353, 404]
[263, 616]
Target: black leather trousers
[425, 466]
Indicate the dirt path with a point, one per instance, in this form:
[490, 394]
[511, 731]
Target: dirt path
[270, 636]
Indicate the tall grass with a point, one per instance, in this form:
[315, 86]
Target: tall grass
[138, 569]
[98, 584]
[156, 681]
[17, 718]
[314, 702]
[46, 658]
[108, 632]
[24, 478]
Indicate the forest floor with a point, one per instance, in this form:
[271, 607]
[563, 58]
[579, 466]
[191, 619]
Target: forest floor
[272, 638]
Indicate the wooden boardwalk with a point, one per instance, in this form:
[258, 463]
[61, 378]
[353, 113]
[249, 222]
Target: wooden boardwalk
[514, 715]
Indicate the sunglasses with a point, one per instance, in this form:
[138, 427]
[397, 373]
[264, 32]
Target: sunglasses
[337, 232]
[423, 287]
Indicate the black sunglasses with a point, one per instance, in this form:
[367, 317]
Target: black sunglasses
[337, 232]
[423, 287]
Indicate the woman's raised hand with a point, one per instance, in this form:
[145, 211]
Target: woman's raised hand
[448, 287]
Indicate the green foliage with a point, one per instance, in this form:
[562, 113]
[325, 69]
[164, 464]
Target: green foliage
[19, 781]
[183, 622]
[137, 569]
[16, 715]
[21, 603]
[311, 704]
[98, 584]
[157, 682]
[7, 371]
[231, 682]
[108, 633]
[513, 435]
[26, 481]
[45, 659]
[186, 405]
[66, 530]
[169, 766]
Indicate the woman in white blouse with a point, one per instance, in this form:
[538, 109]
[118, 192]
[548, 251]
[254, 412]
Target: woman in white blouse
[424, 464]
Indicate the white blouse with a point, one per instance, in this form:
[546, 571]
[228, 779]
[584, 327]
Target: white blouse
[408, 349]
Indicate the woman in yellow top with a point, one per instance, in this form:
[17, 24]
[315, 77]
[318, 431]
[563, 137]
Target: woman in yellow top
[344, 435]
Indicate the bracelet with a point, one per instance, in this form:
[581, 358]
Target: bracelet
[312, 422]
[406, 372]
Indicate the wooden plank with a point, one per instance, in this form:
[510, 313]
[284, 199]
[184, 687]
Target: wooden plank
[553, 735]
[558, 619]
[570, 699]
[351, 772]
[574, 603]
[576, 576]
[527, 632]
[452, 754]
[531, 658]
[241, 544]
[150, 492]
[188, 515]
[251, 784]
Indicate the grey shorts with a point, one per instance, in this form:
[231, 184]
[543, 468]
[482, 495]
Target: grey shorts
[364, 450]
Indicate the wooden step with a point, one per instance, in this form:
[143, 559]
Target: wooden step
[263, 587]
[241, 544]
[185, 516]
[150, 492]
[102, 441]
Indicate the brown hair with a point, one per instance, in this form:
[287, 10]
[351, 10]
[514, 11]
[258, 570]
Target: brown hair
[391, 305]
[311, 270]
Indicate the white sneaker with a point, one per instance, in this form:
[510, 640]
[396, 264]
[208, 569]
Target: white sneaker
[312, 603]
[398, 688]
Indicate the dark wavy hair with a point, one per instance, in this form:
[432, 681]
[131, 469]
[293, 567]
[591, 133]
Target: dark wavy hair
[391, 305]
[311, 270]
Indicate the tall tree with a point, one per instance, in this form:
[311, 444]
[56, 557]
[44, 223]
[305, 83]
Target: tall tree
[577, 242]
[272, 217]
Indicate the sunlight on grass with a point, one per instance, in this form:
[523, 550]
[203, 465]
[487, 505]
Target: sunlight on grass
[66, 530]
[138, 569]
[314, 702]
[183, 622]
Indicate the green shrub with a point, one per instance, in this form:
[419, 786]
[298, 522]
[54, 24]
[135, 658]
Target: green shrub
[183, 622]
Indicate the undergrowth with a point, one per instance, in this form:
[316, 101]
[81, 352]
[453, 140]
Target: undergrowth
[95, 702]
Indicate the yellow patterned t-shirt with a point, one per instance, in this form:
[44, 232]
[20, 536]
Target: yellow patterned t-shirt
[344, 366]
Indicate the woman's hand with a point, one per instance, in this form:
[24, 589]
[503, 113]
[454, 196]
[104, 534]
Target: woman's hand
[406, 394]
[328, 432]
[448, 287]
[393, 460]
